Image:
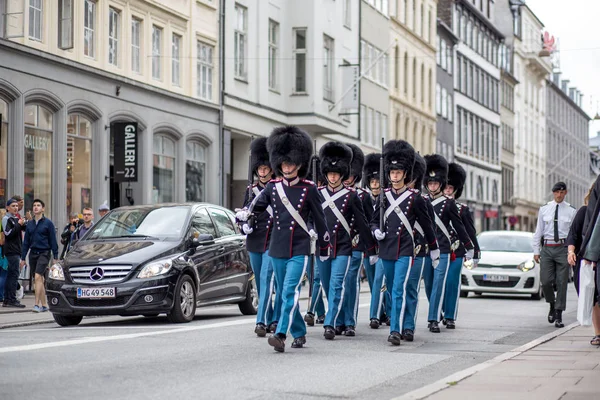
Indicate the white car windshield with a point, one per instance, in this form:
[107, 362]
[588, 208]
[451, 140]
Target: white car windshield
[159, 223]
[514, 244]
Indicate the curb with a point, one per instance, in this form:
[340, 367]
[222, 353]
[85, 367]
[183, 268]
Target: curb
[443, 383]
[26, 323]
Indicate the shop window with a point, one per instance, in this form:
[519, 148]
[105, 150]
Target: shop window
[38, 156]
[195, 171]
[163, 190]
[3, 150]
[79, 163]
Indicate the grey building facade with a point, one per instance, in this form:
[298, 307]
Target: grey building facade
[444, 90]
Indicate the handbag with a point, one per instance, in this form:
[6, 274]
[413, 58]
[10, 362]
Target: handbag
[586, 294]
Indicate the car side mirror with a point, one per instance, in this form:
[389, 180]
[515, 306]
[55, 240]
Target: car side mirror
[204, 239]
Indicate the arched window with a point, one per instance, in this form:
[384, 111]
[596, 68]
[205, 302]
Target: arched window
[430, 87]
[3, 151]
[414, 71]
[479, 193]
[397, 67]
[406, 73]
[423, 84]
[195, 171]
[495, 192]
[38, 156]
[163, 190]
[79, 163]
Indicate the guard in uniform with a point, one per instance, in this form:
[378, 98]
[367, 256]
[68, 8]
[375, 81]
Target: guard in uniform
[258, 231]
[401, 208]
[381, 299]
[457, 177]
[344, 213]
[450, 232]
[549, 249]
[293, 200]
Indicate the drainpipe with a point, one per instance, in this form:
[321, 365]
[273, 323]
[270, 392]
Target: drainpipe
[221, 101]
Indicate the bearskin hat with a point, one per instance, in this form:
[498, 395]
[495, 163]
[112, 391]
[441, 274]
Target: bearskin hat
[371, 168]
[457, 176]
[418, 171]
[399, 155]
[290, 144]
[258, 154]
[437, 170]
[358, 160]
[319, 177]
[335, 157]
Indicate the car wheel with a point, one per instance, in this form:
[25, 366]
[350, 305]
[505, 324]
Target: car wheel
[65, 320]
[538, 295]
[184, 304]
[464, 294]
[250, 305]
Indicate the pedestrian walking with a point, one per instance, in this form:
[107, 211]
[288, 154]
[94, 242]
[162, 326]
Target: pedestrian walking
[40, 243]
[12, 229]
[550, 250]
[83, 228]
[67, 233]
[293, 200]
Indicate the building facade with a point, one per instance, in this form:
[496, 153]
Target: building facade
[412, 89]
[567, 149]
[68, 73]
[444, 90]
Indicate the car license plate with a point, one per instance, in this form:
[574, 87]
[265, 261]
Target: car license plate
[495, 278]
[96, 293]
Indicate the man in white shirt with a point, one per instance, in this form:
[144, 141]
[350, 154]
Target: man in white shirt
[554, 222]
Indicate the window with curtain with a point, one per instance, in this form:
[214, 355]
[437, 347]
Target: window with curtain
[163, 190]
[38, 156]
[195, 171]
[79, 163]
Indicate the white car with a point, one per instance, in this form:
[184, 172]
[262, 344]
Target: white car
[506, 266]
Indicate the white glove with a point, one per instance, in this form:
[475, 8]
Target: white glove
[435, 257]
[323, 258]
[470, 254]
[247, 229]
[373, 260]
[313, 235]
[243, 215]
[475, 262]
[379, 235]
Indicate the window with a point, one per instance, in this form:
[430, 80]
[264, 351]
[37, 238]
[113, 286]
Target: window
[444, 103]
[363, 120]
[175, 65]
[414, 78]
[113, 37]
[195, 171]
[136, 28]
[328, 67]
[3, 147]
[273, 55]
[163, 190]
[223, 222]
[202, 223]
[376, 137]
[65, 24]
[156, 52]
[423, 85]
[35, 20]
[205, 71]
[347, 13]
[449, 54]
[38, 156]
[429, 28]
[239, 45]
[384, 126]
[450, 109]
[369, 133]
[422, 27]
[443, 56]
[79, 163]
[438, 98]
[299, 60]
[405, 73]
[396, 67]
[405, 13]
[429, 88]
[414, 15]
[89, 24]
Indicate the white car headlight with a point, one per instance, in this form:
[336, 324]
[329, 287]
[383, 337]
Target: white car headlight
[526, 266]
[56, 272]
[156, 268]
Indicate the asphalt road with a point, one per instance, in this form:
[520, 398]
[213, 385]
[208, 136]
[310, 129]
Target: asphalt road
[217, 356]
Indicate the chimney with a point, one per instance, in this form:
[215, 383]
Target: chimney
[556, 78]
[572, 93]
[580, 99]
[565, 85]
[577, 96]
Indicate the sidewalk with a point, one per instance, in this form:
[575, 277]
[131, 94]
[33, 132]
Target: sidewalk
[14, 317]
[562, 367]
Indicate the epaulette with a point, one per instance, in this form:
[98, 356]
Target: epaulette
[351, 189]
[276, 180]
[307, 181]
[254, 185]
[387, 189]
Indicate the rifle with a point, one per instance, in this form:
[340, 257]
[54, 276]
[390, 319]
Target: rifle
[381, 188]
[313, 259]
[250, 221]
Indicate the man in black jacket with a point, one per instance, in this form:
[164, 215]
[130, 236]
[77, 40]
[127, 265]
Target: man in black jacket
[66, 235]
[13, 226]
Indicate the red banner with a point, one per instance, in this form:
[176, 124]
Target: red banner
[491, 214]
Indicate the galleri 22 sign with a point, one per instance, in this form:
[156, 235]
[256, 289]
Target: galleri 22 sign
[125, 135]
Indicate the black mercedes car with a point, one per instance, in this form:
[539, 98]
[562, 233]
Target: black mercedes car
[154, 259]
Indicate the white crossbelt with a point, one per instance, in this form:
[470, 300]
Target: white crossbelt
[330, 202]
[256, 194]
[288, 206]
[419, 229]
[439, 222]
[394, 207]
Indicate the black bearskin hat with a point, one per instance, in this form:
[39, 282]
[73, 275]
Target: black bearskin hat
[290, 144]
[399, 155]
[418, 171]
[437, 170]
[358, 160]
[319, 177]
[457, 176]
[371, 168]
[335, 157]
[259, 154]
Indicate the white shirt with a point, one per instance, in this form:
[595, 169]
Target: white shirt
[545, 223]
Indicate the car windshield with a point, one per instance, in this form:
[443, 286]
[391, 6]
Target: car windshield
[157, 223]
[513, 244]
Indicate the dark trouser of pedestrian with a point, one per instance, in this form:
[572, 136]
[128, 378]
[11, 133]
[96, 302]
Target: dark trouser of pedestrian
[39, 264]
[12, 275]
[554, 270]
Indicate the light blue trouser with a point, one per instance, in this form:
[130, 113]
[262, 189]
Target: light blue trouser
[288, 276]
[396, 276]
[350, 307]
[317, 306]
[265, 284]
[380, 301]
[333, 278]
[435, 282]
[412, 293]
[452, 289]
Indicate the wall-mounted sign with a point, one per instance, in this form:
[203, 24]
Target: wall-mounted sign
[125, 136]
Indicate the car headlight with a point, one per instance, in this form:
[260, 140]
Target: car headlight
[156, 268]
[56, 272]
[469, 264]
[526, 266]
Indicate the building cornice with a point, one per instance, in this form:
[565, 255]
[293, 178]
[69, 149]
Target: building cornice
[482, 18]
[404, 29]
[550, 83]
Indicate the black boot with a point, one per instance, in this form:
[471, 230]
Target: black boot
[350, 331]
[339, 330]
[299, 342]
[272, 328]
[321, 319]
[329, 333]
[434, 327]
[309, 318]
[408, 335]
[551, 314]
[277, 342]
[374, 323]
[395, 338]
[260, 330]
[558, 319]
[450, 324]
